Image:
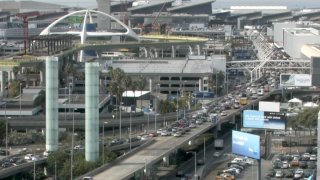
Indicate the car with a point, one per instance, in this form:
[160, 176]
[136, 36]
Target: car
[200, 162]
[165, 133]
[303, 164]
[87, 178]
[306, 155]
[311, 165]
[177, 134]
[313, 157]
[144, 138]
[192, 125]
[28, 156]
[133, 139]
[298, 174]
[223, 113]
[78, 147]
[46, 153]
[217, 154]
[153, 134]
[180, 174]
[18, 162]
[294, 162]
[233, 171]
[279, 174]
[116, 142]
[35, 158]
[285, 165]
[271, 173]
[241, 168]
[6, 164]
[289, 174]
[199, 121]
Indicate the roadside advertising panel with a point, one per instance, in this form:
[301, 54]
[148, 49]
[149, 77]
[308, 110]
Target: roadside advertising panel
[269, 106]
[295, 79]
[263, 120]
[246, 144]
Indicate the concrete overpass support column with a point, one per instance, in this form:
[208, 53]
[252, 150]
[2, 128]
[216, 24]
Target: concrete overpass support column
[92, 111]
[173, 51]
[41, 77]
[13, 76]
[233, 119]
[198, 49]
[2, 82]
[52, 103]
[318, 157]
[200, 85]
[9, 76]
[156, 55]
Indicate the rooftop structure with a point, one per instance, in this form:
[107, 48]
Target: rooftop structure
[27, 6]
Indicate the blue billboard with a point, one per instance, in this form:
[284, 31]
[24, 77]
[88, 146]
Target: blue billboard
[246, 144]
[263, 120]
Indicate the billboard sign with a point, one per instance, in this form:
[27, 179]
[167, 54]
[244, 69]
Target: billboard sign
[295, 79]
[269, 106]
[246, 144]
[263, 120]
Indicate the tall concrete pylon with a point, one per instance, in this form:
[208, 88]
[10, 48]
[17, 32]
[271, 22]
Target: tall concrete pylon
[52, 119]
[92, 111]
[104, 23]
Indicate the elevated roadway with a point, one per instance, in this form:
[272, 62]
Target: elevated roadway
[4, 173]
[163, 146]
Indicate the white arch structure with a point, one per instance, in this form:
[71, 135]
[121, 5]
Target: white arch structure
[84, 34]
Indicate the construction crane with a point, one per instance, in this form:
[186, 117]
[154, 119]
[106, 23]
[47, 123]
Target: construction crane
[25, 16]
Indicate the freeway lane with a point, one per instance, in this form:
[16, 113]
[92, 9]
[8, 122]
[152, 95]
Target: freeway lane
[150, 155]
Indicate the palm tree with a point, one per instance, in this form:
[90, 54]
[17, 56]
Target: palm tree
[127, 83]
[141, 84]
[134, 86]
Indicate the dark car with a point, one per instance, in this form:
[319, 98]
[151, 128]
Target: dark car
[271, 173]
[289, 174]
[133, 139]
[6, 164]
[303, 164]
[311, 165]
[116, 142]
[180, 174]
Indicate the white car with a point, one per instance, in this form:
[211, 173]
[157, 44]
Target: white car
[285, 165]
[313, 157]
[35, 158]
[223, 113]
[217, 154]
[279, 174]
[177, 134]
[165, 133]
[28, 156]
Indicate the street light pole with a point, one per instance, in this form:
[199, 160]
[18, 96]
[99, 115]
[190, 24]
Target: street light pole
[103, 158]
[130, 130]
[178, 105]
[20, 98]
[204, 149]
[72, 143]
[155, 113]
[195, 164]
[113, 125]
[5, 116]
[65, 107]
[34, 165]
[120, 120]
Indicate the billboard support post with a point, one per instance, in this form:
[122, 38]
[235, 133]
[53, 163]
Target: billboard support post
[259, 169]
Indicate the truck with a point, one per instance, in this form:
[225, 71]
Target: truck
[218, 144]
[213, 118]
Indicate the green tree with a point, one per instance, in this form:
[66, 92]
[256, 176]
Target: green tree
[2, 131]
[40, 100]
[14, 88]
[127, 83]
[308, 118]
[165, 107]
[134, 86]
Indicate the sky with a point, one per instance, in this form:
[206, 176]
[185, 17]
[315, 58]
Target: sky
[217, 4]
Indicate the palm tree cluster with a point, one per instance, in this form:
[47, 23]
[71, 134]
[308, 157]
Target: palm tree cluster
[121, 82]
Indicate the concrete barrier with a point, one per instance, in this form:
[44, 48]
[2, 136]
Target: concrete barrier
[108, 165]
